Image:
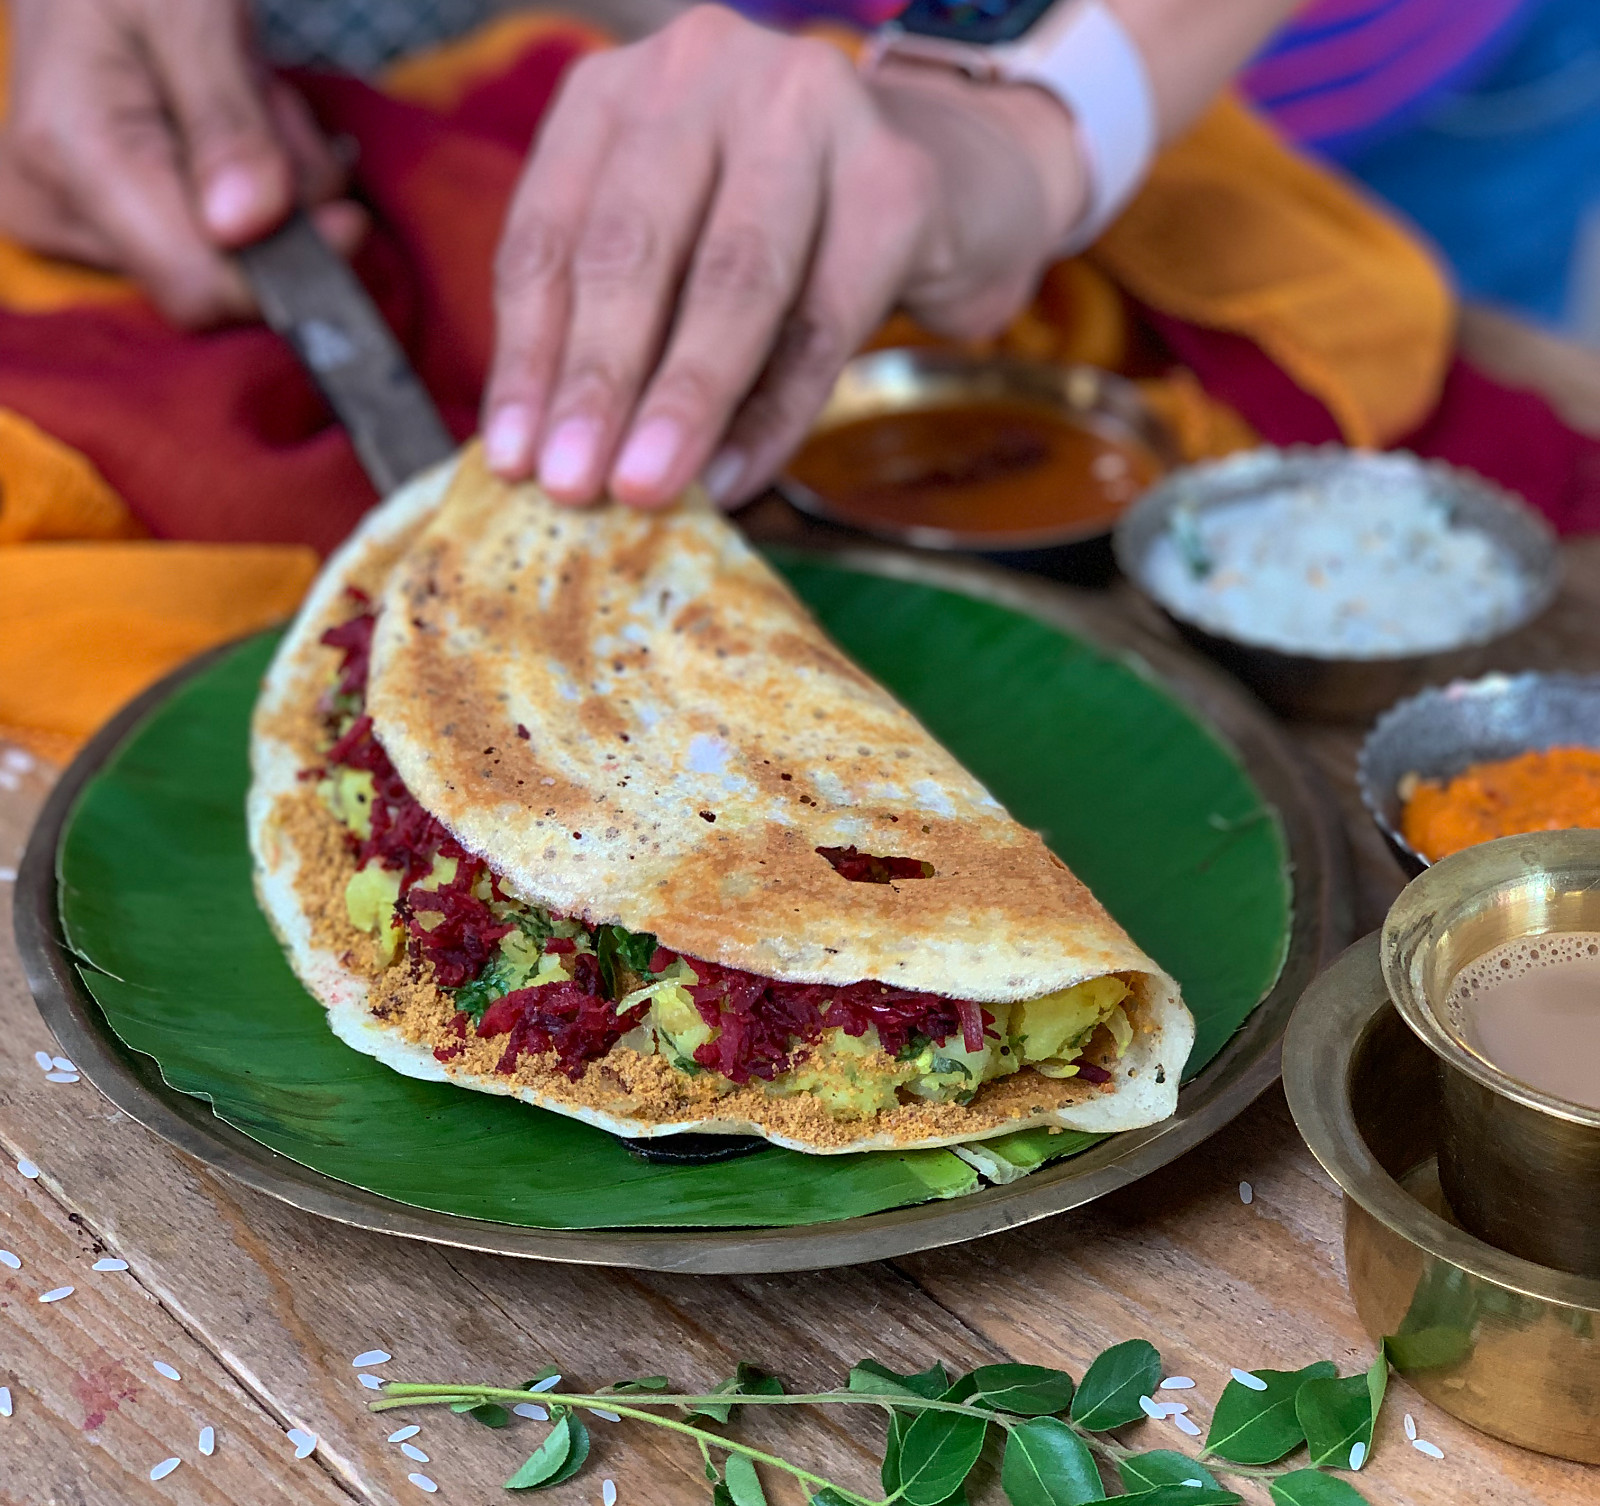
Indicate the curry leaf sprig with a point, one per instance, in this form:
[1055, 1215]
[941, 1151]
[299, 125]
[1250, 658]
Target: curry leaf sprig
[1054, 1434]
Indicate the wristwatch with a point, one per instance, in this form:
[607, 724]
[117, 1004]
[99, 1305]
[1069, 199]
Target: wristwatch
[1077, 50]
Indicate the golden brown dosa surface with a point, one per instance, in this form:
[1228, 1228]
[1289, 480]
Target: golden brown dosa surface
[692, 738]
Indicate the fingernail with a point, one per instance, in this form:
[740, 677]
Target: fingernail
[568, 455]
[508, 440]
[232, 200]
[648, 456]
[723, 473]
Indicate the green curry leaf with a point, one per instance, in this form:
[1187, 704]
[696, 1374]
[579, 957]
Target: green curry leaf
[1162, 1466]
[1047, 1464]
[1259, 1427]
[1310, 1487]
[1108, 1396]
[1029, 1390]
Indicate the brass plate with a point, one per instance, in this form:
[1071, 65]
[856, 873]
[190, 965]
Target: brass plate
[1246, 1066]
[1508, 1346]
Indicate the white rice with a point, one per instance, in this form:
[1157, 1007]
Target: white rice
[1247, 1194]
[57, 1293]
[161, 1367]
[371, 1382]
[208, 1440]
[5, 1401]
[1358, 1454]
[1411, 1427]
[8, 1259]
[549, 1383]
[44, 1060]
[61, 1064]
[1152, 1408]
[371, 1357]
[61, 1077]
[1185, 1426]
[27, 1169]
[304, 1443]
[1362, 564]
[1176, 1383]
[608, 1492]
[110, 1264]
[609, 1416]
[165, 1468]
[1245, 1378]
[422, 1482]
[401, 1434]
[530, 1409]
[411, 1451]
[1432, 1450]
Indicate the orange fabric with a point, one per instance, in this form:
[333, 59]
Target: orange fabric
[1233, 232]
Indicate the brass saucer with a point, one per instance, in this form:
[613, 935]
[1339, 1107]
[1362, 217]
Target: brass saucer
[1508, 1346]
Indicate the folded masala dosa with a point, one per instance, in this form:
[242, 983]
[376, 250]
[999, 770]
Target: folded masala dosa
[581, 805]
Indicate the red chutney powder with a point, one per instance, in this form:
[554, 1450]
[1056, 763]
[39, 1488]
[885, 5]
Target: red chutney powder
[762, 1024]
[1545, 790]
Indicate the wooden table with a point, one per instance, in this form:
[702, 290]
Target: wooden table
[261, 1308]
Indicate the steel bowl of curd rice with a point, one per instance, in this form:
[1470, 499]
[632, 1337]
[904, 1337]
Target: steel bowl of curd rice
[1335, 581]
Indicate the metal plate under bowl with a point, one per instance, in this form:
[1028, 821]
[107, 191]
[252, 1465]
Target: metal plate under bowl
[1245, 1067]
[1510, 1347]
[1440, 733]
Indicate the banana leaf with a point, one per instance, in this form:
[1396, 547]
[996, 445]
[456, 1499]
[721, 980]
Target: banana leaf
[1139, 799]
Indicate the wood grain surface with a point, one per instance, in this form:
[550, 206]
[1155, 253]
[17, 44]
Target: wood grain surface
[261, 1308]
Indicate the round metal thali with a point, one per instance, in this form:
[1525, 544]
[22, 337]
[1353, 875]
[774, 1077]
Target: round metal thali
[1245, 1067]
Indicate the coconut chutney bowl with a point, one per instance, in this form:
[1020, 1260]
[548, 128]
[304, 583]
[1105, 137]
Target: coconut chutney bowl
[1442, 731]
[1304, 664]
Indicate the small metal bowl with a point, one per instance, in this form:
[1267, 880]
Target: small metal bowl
[903, 380]
[1508, 1346]
[1440, 732]
[1329, 687]
[1520, 1167]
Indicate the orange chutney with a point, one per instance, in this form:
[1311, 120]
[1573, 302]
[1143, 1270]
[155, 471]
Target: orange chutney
[1546, 790]
[982, 467]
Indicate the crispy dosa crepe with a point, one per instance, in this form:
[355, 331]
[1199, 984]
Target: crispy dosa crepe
[652, 771]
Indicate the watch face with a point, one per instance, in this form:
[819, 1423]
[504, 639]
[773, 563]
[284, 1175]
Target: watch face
[983, 22]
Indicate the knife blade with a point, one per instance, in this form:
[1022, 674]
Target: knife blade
[310, 297]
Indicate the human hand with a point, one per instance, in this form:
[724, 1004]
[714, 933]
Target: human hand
[145, 137]
[714, 219]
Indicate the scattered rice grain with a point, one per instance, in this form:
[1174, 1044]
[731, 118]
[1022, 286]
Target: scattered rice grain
[530, 1409]
[371, 1382]
[161, 1367]
[5, 1401]
[61, 1077]
[43, 1058]
[549, 1383]
[57, 1293]
[61, 1064]
[208, 1440]
[608, 1492]
[609, 1416]
[1245, 1378]
[304, 1443]
[1152, 1408]
[26, 1168]
[1247, 1194]
[1183, 1425]
[1432, 1450]
[8, 1259]
[371, 1357]
[165, 1468]
[1411, 1427]
[422, 1482]
[1176, 1383]
[1358, 1454]
[410, 1430]
[1198, 1484]
[110, 1264]
[411, 1451]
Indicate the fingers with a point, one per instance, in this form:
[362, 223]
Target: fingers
[878, 218]
[241, 176]
[532, 273]
[318, 172]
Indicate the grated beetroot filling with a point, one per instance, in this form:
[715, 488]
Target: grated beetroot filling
[763, 1024]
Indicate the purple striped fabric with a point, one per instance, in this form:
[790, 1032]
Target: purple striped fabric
[1343, 68]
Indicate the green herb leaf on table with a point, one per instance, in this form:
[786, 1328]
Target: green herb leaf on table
[490, 1413]
[876, 1379]
[1162, 1466]
[937, 1452]
[1047, 1464]
[1338, 1415]
[541, 1467]
[742, 1483]
[1310, 1487]
[746, 1380]
[1260, 1427]
[1108, 1395]
[1181, 1495]
[577, 1457]
[1028, 1390]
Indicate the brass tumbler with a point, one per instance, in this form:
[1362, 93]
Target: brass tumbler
[1519, 1167]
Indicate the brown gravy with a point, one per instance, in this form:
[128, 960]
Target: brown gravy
[1531, 1007]
[984, 467]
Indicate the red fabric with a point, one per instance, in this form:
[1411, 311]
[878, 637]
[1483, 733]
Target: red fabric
[222, 438]
[1511, 436]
